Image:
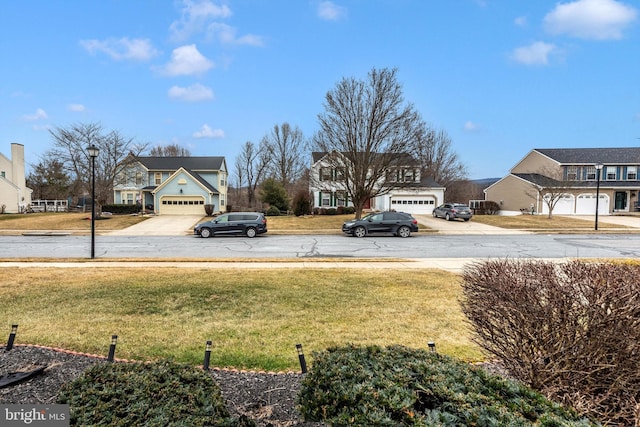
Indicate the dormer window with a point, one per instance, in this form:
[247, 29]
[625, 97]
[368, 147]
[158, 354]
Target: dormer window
[572, 173]
[611, 173]
[590, 173]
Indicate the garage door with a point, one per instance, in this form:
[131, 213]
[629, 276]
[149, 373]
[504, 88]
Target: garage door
[564, 206]
[422, 205]
[182, 205]
[586, 204]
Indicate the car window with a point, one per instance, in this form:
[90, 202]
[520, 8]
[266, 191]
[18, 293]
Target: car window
[235, 217]
[376, 217]
[222, 218]
[250, 217]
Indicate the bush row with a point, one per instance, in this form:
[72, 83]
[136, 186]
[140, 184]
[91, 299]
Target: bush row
[392, 386]
[340, 210]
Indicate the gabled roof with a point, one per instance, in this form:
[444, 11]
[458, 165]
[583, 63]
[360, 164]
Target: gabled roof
[399, 159]
[204, 183]
[582, 156]
[174, 163]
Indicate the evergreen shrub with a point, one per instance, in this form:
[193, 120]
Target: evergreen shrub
[399, 386]
[138, 394]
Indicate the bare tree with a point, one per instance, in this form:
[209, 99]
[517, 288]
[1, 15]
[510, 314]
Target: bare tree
[433, 148]
[549, 190]
[71, 149]
[251, 165]
[171, 150]
[287, 151]
[367, 129]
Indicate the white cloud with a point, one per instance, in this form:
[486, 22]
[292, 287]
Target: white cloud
[590, 19]
[535, 54]
[469, 126]
[226, 34]
[520, 21]
[122, 49]
[77, 108]
[206, 132]
[193, 93]
[196, 16]
[187, 60]
[329, 11]
[40, 114]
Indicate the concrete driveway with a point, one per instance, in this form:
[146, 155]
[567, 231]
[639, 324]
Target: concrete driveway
[443, 226]
[161, 225]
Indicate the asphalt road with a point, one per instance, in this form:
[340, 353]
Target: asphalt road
[418, 246]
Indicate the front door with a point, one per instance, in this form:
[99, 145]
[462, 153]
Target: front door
[621, 201]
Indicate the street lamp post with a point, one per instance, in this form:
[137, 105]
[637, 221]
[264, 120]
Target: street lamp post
[93, 153]
[598, 171]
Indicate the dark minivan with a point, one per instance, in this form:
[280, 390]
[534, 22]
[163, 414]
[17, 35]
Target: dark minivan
[249, 224]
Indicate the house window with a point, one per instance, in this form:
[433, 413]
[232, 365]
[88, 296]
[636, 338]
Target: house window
[341, 199]
[632, 173]
[158, 178]
[325, 174]
[340, 175]
[3, 174]
[325, 199]
[138, 178]
[572, 173]
[611, 173]
[591, 173]
[129, 198]
[410, 175]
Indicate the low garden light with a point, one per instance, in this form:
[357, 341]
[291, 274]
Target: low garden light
[432, 346]
[207, 355]
[112, 348]
[303, 363]
[598, 172]
[12, 337]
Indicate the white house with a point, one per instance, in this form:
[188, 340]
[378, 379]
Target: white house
[15, 196]
[415, 194]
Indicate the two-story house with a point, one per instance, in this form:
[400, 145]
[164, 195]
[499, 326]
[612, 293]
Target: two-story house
[580, 174]
[15, 196]
[409, 193]
[174, 185]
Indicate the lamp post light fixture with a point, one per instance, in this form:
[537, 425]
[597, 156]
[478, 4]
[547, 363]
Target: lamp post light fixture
[93, 153]
[598, 171]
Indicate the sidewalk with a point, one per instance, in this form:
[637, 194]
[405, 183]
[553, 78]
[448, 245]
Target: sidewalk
[453, 265]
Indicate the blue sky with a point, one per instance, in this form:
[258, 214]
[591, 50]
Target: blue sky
[500, 76]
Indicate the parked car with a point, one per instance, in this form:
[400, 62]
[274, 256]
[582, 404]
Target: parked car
[249, 224]
[451, 211]
[398, 223]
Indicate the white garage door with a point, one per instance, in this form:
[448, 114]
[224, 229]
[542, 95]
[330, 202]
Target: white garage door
[182, 205]
[586, 204]
[564, 206]
[417, 204]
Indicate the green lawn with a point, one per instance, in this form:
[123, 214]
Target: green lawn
[254, 317]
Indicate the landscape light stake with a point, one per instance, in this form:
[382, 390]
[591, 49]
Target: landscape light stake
[207, 355]
[12, 337]
[112, 348]
[303, 363]
[432, 346]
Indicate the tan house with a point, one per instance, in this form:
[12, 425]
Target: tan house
[572, 176]
[14, 194]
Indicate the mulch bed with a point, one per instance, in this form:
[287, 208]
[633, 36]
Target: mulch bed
[267, 398]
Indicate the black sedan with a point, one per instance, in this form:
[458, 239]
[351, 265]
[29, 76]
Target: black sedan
[451, 211]
[397, 223]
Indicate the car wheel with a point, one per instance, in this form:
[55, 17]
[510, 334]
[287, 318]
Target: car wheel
[448, 217]
[434, 214]
[250, 232]
[404, 231]
[359, 232]
[205, 232]
[466, 219]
